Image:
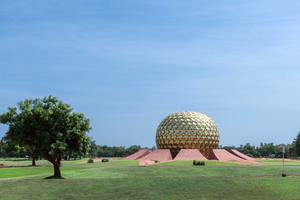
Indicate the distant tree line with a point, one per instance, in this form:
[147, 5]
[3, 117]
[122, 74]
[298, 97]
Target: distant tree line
[112, 151]
[270, 150]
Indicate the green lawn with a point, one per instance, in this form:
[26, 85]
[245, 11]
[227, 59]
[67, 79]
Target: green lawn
[175, 180]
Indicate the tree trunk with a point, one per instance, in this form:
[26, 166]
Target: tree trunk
[56, 166]
[57, 173]
[33, 161]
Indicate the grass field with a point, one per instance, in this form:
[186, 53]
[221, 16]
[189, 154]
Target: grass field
[120, 179]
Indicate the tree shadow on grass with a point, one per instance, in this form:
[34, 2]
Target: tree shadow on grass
[15, 166]
[54, 177]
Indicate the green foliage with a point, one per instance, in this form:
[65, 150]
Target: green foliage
[297, 145]
[106, 151]
[269, 150]
[198, 163]
[132, 149]
[250, 150]
[115, 151]
[47, 127]
[291, 150]
[9, 149]
[90, 160]
[93, 149]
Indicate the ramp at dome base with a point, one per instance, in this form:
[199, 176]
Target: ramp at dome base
[241, 155]
[224, 156]
[161, 155]
[189, 154]
[137, 155]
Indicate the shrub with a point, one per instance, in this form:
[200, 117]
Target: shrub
[198, 163]
[272, 156]
[105, 160]
[90, 160]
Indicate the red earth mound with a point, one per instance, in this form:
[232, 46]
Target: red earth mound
[224, 156]
[189, 154]
[241, 155]
[161, 155]
[137, 155]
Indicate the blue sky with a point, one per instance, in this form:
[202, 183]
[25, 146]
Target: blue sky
[127, 64]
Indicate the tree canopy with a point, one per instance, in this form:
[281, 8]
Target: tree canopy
[297, 144]
[47, 127]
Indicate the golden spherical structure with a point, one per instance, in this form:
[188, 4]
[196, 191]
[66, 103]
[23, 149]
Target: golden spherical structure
[187, 130]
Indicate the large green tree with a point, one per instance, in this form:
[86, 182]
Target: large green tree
[297, 144]
[49, 128]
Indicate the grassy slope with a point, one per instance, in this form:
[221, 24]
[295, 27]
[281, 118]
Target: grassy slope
[175, 180]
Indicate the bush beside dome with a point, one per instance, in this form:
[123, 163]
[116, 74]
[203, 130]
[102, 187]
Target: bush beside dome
[187, 130]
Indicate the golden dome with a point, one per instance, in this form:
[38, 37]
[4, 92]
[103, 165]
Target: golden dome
[187, 130]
